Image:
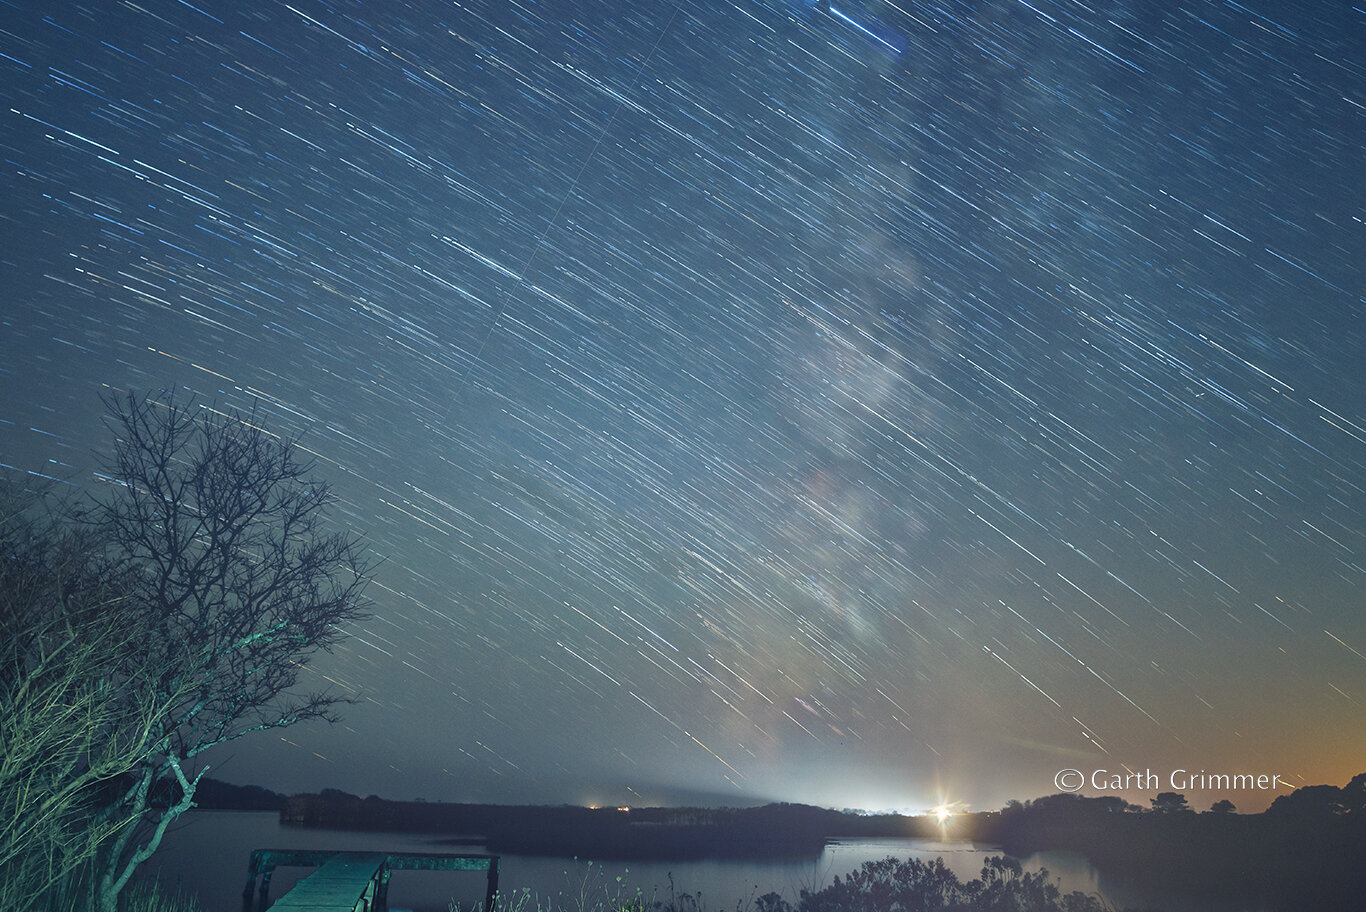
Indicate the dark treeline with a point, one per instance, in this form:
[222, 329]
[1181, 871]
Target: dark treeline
[773, 831]
[216, 795]
[1305, 851]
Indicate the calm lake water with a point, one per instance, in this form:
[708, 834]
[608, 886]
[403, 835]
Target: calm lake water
[207, 855]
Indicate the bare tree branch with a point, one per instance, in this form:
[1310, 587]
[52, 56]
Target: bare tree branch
[173, 614]
[223, 533]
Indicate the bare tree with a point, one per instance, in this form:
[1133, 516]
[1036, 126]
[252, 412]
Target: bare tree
[224, 559]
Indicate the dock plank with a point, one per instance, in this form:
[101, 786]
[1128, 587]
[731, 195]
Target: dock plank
[344, 883]
[353, 881]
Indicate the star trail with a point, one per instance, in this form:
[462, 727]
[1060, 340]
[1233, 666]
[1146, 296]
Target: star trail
[871, 405]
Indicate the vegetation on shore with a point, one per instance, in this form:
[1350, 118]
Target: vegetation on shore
[1303, 852]
[889, 885]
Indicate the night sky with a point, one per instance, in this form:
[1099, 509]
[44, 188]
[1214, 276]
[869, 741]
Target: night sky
[869, 405]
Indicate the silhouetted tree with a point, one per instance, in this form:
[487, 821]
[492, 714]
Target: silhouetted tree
[1112, 804]
[1170, 803]
[1353, 795]
[225, 561]
[1223, 806]
[1310, 802]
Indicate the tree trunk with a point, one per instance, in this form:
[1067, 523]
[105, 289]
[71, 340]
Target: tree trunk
[118, 870]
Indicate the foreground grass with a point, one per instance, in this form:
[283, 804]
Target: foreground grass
[879, 886]
[142, 895]
[149, 896]
[888, 885]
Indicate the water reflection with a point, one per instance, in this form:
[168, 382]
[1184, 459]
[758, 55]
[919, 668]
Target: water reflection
[208, 856]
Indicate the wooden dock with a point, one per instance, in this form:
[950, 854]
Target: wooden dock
[346, 882]
[353, 881]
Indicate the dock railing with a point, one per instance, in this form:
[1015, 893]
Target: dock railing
[352, 881]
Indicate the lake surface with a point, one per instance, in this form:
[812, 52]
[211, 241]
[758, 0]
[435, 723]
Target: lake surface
[208, 853]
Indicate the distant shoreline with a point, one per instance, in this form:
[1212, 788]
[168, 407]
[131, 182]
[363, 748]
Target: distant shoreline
[775, 831]
[1304, 850]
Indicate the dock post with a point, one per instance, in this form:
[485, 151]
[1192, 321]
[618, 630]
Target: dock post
[261, 866]
[265, 885]
[382, 887]
[492, 891]
[251, 878]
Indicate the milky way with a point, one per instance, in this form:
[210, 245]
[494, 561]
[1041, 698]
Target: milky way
[865, 405]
